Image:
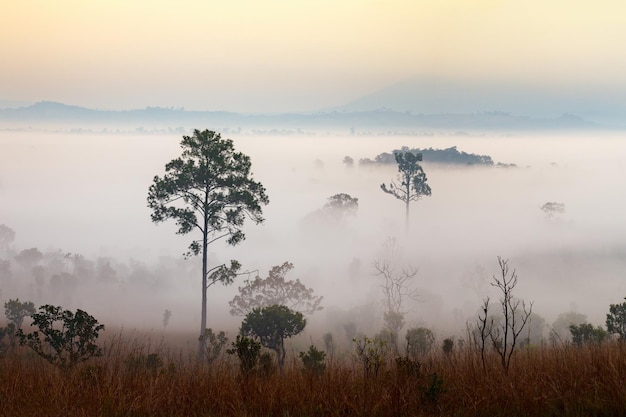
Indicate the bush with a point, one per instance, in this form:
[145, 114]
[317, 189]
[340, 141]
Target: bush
[215, 346]
[247, 351]
[371, 353]
[419, 341]
[313, 360]
[64, 338]
[586, 333]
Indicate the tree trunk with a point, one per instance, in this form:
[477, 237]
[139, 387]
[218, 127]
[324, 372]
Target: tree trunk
[407, 200]
[202, 340]
[407, 216]
[205, 244]
[281, 355]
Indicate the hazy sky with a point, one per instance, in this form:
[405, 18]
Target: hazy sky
[280, 55]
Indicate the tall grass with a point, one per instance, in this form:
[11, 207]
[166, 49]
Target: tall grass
[547, 381]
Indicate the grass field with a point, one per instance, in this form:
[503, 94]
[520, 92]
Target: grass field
[542, 381]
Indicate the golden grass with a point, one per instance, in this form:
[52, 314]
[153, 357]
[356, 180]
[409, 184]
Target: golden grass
[557, 381]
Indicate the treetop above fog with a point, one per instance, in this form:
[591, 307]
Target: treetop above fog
[450, 156]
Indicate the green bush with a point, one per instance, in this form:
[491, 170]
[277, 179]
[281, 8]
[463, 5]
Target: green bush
[313, 360]
[64, 338]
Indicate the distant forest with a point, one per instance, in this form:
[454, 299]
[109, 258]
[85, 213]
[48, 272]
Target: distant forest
[448, 156]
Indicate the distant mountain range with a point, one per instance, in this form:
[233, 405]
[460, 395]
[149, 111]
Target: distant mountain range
[414, 105]
[52, 114]
[442, 96]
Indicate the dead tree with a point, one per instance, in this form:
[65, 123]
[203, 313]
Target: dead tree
[515, 314]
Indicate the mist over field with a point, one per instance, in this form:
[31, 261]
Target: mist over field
[86, 194]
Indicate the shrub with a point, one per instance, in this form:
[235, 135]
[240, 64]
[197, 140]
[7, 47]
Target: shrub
[419, 341]
[585, 333]
[371, 354]
[64, 338]
[214, 344]
[247, 351]
[313, 360]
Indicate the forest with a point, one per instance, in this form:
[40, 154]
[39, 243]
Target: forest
[275, 354]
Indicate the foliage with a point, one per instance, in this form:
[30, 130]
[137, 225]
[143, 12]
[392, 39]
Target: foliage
[560, 331]
[433, 389]
[408, 367]
[272, 325]
[16, 311]
[553, 209]
[371, 354]
[208, 189]
[335, 213]
[585, 333]
[449, 156]
[247, 351]
[29, 257]
[313, 360]
[215, 344]
[275, 290]
[616, 320]
[340, 207]
[419, 341]
[448, 345]
[411, 179]
[63, 338]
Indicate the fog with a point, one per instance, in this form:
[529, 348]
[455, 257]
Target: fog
[86, 194]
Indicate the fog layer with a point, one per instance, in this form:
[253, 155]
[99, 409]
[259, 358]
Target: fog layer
[86, 194]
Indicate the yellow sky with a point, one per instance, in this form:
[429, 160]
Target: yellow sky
[272, 55]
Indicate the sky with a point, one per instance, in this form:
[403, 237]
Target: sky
[282, 56]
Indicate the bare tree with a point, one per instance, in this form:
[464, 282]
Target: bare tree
[484, 327]
[396, 287]
[515, 314]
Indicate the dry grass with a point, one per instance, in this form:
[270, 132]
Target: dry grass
[561, 381]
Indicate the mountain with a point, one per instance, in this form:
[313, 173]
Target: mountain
[440, 96]
[47, 114]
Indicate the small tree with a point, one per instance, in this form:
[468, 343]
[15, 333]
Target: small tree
[275, 290]
[585, 333]
[208, 189]
[64, 338]
[419, 341]
[412, 180]
[397, 288]
[313, 360]
[616, 320]
[560, 331]
[371, 353]
[553, 209]
[340, 207]
[16, 311]
[515, 314]
[336, 212]
[272, 325]
[215, 344]
[247, 351]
